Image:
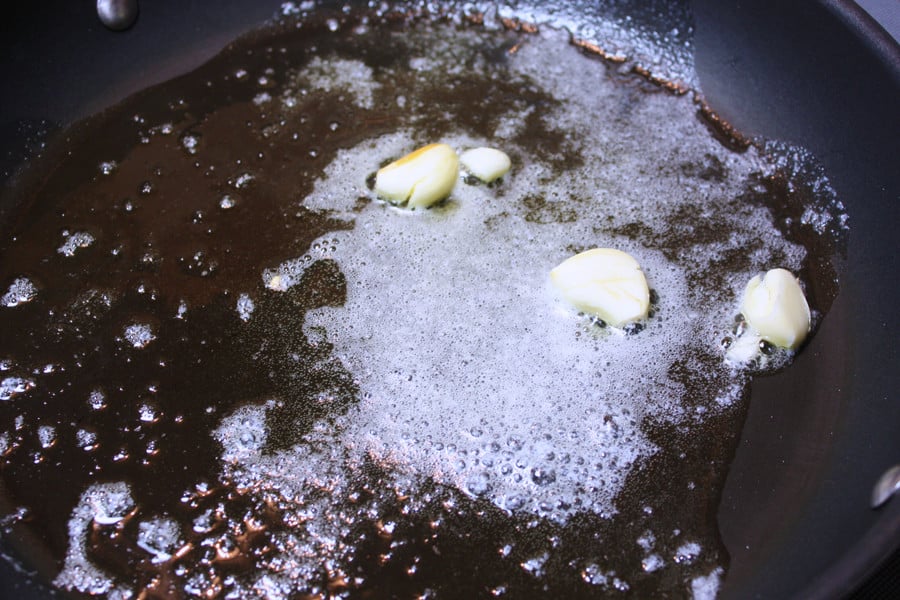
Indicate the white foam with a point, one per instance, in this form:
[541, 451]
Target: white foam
[471, 374]
[352, 76]
[106, 504]
[159, 537]
[707, 588]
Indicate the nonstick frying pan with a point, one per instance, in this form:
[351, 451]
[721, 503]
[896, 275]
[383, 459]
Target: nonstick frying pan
[795, 513]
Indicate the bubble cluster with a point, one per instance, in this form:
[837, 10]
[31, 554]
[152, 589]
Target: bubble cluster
[20, 291]
[342, 74]
[75, 241]
[139, 335]
[245, 307]
[10, 387]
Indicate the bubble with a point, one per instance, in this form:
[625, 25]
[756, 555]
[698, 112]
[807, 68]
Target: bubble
[107, 167]
[543, 476]
[479, 484]
[242, 181]
[190, 142]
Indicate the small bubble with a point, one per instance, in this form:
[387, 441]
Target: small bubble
[108, 166]
[190, 141]
[262, 98]
[243, 180]
[543, 476]
[479, 485]
[226, 202]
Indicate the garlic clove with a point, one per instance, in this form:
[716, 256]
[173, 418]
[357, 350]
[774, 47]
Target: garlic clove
[487, 164]
[774, 305]
[604, 282]
[420, 178]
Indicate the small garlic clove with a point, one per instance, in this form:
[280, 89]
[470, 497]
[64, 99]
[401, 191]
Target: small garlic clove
[487, 164]
[774, 305]
[604, 282]
[420, 178]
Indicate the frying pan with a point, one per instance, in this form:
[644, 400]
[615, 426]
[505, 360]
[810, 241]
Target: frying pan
[794, 514]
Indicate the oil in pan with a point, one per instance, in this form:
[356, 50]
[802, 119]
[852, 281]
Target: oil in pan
[231, 370]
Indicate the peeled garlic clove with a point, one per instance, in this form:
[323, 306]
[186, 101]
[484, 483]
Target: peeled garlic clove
[774, 305]
[487, 164]
[604, 282]
[420, 178]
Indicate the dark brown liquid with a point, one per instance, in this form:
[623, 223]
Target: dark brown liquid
[162, 239]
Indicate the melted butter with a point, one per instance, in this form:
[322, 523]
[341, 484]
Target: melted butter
[410, 377]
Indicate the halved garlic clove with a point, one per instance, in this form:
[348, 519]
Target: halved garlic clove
[774, 305]
[420, 178]
[604, 282]
[487, 164]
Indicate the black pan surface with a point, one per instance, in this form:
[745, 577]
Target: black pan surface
[795, 512]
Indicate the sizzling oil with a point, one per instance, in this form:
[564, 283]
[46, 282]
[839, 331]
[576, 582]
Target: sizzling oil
[409, 414]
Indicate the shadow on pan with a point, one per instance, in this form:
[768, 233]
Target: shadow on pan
[795, 512]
